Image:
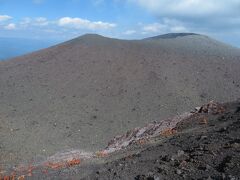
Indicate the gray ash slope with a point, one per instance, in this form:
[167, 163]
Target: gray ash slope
[196, 151]
[205, 145]
[81, 93]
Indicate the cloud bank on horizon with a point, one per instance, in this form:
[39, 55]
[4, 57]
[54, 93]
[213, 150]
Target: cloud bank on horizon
[129, 19]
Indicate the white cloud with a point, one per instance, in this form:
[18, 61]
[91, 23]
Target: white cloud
[154, 28]
[79, 23]
[10, 26]
[165, 26]
[217, 18]
[177, 29]
[5, 17]
[41, 21]
[193, 8]
[129, 32]
[26, 20]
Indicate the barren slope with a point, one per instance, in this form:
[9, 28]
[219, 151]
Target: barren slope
[198, 150]
[203, 145]
[81, 93]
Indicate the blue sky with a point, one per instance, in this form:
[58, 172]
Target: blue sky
[126, 19]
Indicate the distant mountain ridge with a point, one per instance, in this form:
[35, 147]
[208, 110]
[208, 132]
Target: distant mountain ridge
[13, 47]
[172, 35]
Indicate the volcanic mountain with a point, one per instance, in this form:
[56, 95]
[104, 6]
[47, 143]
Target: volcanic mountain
[81, 93]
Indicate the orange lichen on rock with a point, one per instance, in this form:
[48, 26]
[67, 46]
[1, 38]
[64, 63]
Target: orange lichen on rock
[21, 177]
[73, 162]
[11, 177]
[57, 165]
[168, 132]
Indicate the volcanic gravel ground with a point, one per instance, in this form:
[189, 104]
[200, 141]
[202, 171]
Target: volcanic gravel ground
[204, 146]
[203, 149]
